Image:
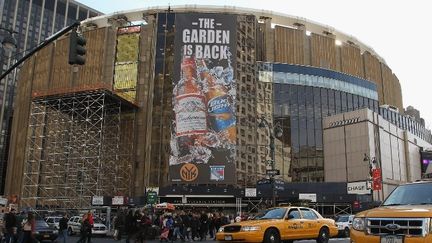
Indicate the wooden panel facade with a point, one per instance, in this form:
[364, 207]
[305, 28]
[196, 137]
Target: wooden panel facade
[397, 94]
[351, 60]
[289, 47]
[323, 51]
[387, 77]
[372, 72]
[143, 124]
[61, 70]
[42, 72]
[54, 75]
[92, 72]
[17, 151]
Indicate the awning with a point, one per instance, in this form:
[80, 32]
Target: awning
[222, 205]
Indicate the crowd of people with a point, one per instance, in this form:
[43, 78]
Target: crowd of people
[21, 228]
[18, 228]
[169, 226]
[132, 224]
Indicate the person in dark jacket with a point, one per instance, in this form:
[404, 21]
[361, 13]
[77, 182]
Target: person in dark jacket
[177, 228]
[203, 226]
[10, 222]
[186, 225]
[85, 227]
[130, 225]
[211, 225]
[63, 225]
[195, 225]
[217, 222]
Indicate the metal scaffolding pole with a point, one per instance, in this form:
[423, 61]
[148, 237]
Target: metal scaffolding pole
[76, 150]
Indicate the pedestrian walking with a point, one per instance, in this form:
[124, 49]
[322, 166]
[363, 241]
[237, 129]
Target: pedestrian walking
[29, 229]
[178, 227]
[211, 225]
[63, 227]
[186, 225]
[195, 225]
[166, 232]
[130, 225]
[10, 222]
[203, 226]
[85, 227]
[91, 223]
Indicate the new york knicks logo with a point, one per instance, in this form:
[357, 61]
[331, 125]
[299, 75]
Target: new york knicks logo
[189, 172]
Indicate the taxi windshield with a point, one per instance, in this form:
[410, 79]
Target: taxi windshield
[411, 194]
[275, 213]
[343, 218]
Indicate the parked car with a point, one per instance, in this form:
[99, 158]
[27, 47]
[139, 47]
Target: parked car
[279, 225]
[74, 226]
[53, 221]
[344, 223]
[43, 232]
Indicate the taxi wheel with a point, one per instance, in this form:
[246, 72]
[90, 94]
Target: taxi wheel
[323, 236]
[271, 236]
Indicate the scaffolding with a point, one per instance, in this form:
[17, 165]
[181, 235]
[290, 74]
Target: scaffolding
[79, 145]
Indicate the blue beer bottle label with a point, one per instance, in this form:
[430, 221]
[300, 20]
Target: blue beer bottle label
[220, 113]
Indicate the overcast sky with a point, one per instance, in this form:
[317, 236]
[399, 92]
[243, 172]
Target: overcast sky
[397, 30]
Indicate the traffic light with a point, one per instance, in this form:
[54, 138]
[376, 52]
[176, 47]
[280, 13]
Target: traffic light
[77, 49]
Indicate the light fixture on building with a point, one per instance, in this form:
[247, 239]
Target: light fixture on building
[9, 43]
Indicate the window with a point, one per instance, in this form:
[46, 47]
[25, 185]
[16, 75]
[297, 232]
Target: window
[308, 214]
[294, 213]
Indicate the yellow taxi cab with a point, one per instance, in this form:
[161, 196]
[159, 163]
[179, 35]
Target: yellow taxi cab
[281, 224]
[404, 217]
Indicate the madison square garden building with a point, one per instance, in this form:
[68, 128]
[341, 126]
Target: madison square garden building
[175, 97]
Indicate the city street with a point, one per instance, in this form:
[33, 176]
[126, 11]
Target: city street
[110, 240]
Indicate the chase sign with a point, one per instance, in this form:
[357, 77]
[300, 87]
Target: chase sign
[360, 188]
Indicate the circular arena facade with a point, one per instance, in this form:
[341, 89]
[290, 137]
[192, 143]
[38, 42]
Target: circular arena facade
[178, 96]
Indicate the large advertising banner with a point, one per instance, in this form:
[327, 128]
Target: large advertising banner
[203, 136]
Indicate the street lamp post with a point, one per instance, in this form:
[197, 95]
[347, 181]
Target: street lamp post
[275, 131]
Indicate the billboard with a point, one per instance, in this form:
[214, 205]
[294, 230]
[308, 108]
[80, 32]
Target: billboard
[203, 134]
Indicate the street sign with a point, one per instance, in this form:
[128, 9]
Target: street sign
[250, 192]
[151, 197]
[97, 200]
[312, 197]
[117, 200]
[3, 201]
[359, 188]
[273, 172]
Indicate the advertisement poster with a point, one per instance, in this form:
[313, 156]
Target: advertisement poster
[203, 134]
[376, 179]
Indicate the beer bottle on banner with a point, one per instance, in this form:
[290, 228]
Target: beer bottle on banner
[190, 106]
[219, 105]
